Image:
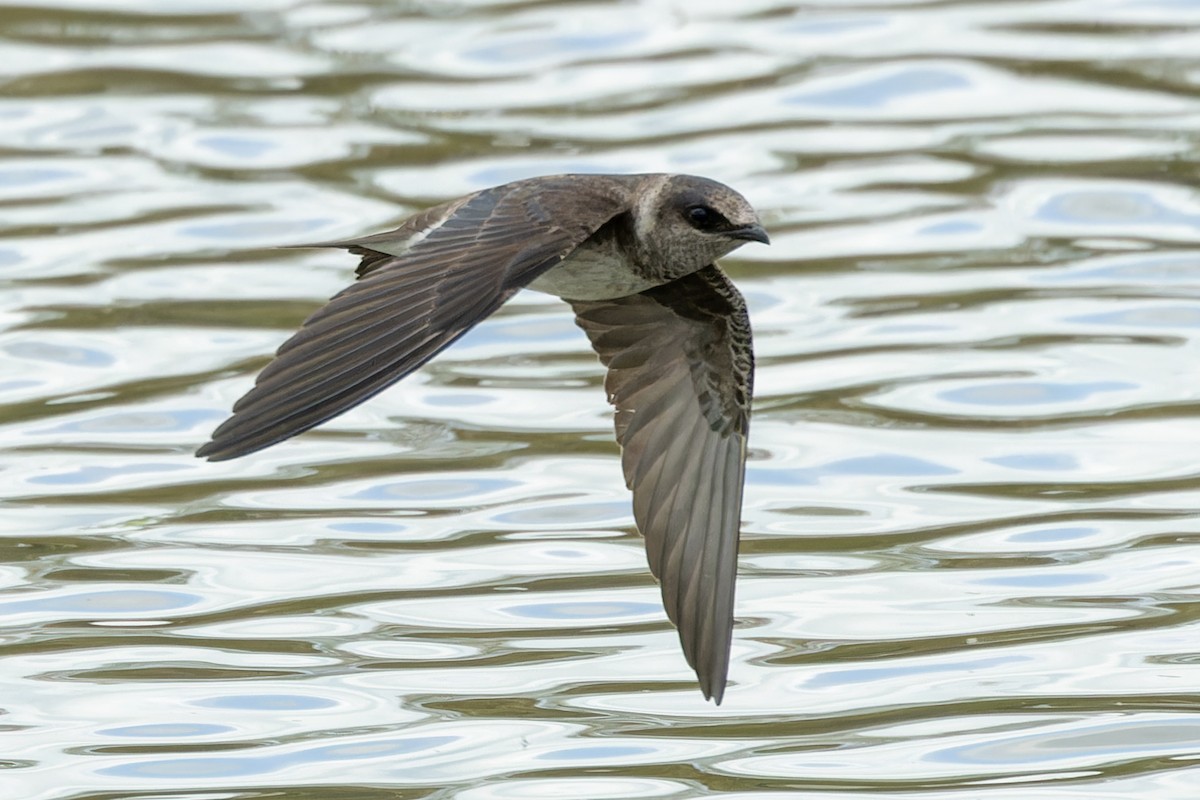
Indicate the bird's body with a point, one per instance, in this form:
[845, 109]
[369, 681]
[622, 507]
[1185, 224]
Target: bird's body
[635, 256]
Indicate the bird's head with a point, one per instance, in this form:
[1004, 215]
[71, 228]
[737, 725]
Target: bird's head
[689, 222]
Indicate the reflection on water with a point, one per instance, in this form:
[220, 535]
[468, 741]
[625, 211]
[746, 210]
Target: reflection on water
[970, 547]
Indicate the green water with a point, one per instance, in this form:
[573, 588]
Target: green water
[970, 548]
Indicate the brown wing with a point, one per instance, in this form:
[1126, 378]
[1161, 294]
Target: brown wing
[680, 374]
[409, 307]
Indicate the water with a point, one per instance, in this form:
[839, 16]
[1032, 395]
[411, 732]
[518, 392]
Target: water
[969, 559]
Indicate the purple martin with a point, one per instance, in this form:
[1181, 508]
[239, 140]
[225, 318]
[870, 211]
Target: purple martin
[635, 257]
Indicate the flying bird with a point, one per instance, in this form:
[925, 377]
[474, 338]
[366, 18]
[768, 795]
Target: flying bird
[635, 257]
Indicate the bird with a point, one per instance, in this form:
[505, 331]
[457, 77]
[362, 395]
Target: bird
[635, 257]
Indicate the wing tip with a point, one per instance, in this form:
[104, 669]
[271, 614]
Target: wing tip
[224, 446]
[713, 678]
[216, 451]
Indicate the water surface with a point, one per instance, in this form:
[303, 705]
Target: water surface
[970, 550]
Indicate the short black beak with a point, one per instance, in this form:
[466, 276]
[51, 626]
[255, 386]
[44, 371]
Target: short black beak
[751, 233]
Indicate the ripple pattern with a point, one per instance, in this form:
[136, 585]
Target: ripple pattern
[969, 559]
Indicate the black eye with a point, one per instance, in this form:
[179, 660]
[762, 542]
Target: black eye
[702, 217]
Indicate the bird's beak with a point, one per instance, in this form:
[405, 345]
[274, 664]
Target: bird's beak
[751, 233]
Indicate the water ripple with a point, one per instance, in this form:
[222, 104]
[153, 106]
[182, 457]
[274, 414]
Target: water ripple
[969, 546]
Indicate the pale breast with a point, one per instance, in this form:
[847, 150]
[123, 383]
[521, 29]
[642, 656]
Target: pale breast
[594, 272]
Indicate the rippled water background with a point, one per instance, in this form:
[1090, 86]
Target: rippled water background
[971, 552]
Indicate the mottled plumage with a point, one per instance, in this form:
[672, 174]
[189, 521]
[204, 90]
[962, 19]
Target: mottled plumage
[634, 255]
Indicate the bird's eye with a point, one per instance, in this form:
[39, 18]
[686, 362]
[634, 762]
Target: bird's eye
[702, 217]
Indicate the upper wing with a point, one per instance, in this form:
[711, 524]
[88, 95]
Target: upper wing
[408, 307]
[680, 374]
